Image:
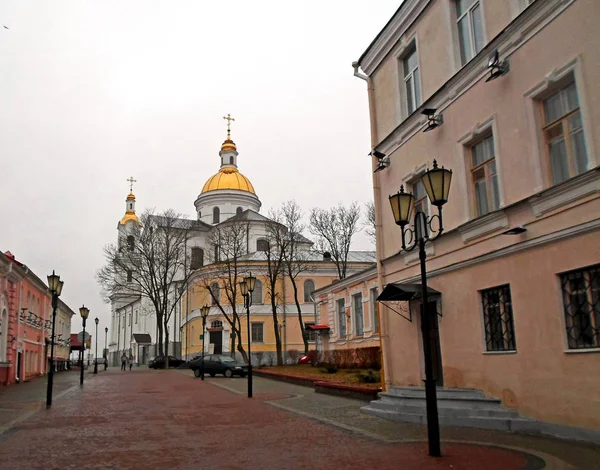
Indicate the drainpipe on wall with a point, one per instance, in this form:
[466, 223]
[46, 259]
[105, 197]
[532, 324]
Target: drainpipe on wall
[284, 320]
[383, 337]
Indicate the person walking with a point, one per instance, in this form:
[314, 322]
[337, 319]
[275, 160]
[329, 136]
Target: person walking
[131, 361]
[123, 361]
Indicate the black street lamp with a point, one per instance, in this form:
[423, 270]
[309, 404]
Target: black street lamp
[55, 285]
[247, 287]
[204, 311]
[84, 312]
[437, 184]
[96, 344]
[105, 348]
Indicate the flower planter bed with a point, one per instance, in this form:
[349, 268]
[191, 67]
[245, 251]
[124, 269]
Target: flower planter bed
[361, 393]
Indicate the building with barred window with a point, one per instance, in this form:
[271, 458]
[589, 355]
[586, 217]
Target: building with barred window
[503, 93]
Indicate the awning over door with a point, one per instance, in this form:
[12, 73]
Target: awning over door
[396, 297]
[323, 328]
[404, 292]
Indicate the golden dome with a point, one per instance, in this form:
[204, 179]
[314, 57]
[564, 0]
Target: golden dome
[131, 197]
[228, 146]
[130, 215]
[228, 178]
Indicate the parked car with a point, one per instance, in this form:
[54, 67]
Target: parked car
[218, 364]
[158, 362]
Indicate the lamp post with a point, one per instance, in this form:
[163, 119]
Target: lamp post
[84, 312]
[247, 287]
[105, 347]
[437, 184]
[55, 285]
[204, 311]
[96, 344]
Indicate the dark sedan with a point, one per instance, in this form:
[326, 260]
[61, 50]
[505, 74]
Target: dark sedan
[158, 362]
[218, 364]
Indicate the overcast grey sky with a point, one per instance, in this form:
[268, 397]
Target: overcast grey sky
[94, 92]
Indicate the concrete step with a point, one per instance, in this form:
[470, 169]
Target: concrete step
[445, 410]
[419, 392]
[494, 423]
[443, 400]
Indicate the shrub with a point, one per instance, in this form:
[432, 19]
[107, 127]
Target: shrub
[370, 376]
[329, 368]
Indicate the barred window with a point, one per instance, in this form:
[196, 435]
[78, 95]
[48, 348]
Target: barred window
[581, 300]
[498, 319]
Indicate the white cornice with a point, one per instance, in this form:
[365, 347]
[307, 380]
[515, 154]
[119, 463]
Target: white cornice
[392, 33]
[517, 33]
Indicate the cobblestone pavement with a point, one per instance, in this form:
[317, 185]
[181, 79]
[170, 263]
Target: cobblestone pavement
[169, 419]
[19, 401]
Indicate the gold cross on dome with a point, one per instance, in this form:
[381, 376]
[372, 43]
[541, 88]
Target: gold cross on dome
[131, 181]
[229, 119]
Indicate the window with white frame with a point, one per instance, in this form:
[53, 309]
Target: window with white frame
[215, 291]
[341, 314]
[581, 303]
[358, 314]
[374, 295]
[257, 293]
[484, 176]
[412, 84]
[469, 21]
[257, 332]
[309, 288]
[563, 131]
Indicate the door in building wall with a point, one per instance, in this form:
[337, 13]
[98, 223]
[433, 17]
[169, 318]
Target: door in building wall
[19, 366]
[216, 339]
[436, 350]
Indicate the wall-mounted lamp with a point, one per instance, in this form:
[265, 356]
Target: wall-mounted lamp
[433, 120]
[495, 67]
[383, 161]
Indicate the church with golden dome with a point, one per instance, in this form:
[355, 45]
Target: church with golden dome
[227, 197]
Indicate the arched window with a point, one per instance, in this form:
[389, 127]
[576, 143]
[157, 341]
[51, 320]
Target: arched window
[257, 293]
[216, 324]
[309, 288]
[216, 215]
[231, 160]
[239, 210]
[197, 258]
[199, 215]
[130, 242]
[215, 290]
[262, 245]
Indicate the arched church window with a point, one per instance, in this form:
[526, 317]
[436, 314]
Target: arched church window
[197, 258]
[215, 290]
[239, 210]
[131, 206]
[257, 293]
[130, 242]
[309, 288]
[216, 324]
[262, 245]
[231, 160]
[199, 215]
[216, 215]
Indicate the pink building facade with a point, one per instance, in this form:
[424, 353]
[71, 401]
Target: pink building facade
[26, 324]
[518, 266]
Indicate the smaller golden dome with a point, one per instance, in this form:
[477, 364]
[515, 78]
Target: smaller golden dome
[130, 197]
[130, 215]
[228, 146]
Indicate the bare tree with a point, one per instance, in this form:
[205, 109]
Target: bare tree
[149, 261]
[229, 245]
[295, 253]
[274, 255]
[334, 229]
[370, 225]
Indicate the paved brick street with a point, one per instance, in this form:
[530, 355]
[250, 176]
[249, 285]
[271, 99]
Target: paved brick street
[157, 419]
